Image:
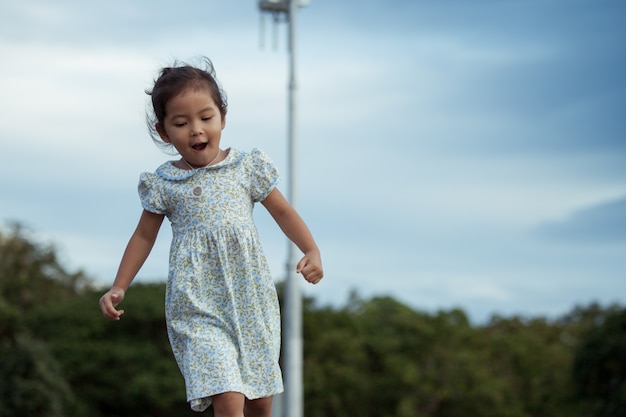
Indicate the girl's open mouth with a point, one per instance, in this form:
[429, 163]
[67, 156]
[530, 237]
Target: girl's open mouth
[199, 146]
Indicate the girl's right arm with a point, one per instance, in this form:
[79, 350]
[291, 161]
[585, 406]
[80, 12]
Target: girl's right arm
[136, 253]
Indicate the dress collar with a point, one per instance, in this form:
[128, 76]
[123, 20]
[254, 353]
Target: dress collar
[170, 172]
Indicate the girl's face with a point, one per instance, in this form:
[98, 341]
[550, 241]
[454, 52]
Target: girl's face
[193, 125]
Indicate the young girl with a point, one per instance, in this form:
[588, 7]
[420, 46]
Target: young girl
[222, 312]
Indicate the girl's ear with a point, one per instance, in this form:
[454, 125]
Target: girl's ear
[223, 122]
[159, 128]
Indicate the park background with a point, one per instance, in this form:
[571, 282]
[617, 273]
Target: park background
[452, 154]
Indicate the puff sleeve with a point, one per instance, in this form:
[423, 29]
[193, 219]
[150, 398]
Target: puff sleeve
[264, 175]
[150, 193]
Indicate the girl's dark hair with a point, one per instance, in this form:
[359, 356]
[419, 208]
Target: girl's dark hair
[177, 79]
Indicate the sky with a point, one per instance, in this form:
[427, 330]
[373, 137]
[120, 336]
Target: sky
[450, 153]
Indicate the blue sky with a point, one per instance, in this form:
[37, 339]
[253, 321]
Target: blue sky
[451, 153]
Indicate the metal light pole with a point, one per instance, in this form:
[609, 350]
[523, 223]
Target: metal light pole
[292, 405]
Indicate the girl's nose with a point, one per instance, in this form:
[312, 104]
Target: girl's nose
[195, 129]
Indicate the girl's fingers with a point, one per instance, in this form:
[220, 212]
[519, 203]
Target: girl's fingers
[301, 265]
[107, 306]
[312, 273]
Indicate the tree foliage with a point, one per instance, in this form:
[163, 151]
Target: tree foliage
[30, 272]
[600, 366]
[31, 380]
[376, 357]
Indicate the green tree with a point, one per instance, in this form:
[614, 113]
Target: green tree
[381, 358]
[31, 274]
[119, 368]
[336, 381]
[533, 359]
[600, 366]
[31, 379]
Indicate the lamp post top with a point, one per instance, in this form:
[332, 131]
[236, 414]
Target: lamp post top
[279, 6]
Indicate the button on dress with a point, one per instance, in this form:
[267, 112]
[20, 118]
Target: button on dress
[222, 312]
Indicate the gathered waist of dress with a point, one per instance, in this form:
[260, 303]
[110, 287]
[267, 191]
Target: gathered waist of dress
[212, 227]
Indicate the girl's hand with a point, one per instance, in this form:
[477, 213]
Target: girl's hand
[310, 266]
[109, 301]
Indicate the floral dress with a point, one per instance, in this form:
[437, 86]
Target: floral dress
[222, 312]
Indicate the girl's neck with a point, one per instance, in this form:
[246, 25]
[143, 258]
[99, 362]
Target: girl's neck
[219, 151]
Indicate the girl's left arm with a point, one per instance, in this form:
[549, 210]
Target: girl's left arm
[295, 229]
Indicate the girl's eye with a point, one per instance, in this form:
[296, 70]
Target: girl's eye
[207, 118]
[180, 124]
